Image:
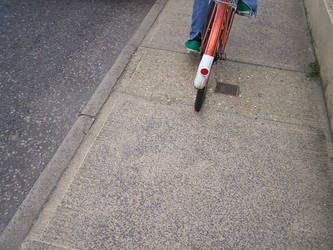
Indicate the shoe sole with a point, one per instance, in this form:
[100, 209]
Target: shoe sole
[192, 51]
[243, 13]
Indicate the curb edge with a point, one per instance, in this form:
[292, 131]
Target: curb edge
[28, 212]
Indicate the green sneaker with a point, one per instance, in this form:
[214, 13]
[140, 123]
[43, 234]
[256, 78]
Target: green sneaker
[193, 45]
[243, 9]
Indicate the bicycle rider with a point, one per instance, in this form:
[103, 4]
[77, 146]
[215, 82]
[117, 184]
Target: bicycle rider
[244, 8]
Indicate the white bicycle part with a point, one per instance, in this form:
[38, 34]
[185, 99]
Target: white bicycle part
[203, 71]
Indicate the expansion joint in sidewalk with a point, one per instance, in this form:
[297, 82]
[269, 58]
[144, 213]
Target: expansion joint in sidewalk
[265, 65]
[86, 115]
[232, 60]
[167, 50]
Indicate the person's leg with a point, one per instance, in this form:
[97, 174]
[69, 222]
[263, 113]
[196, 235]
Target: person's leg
[198, 18]
[253, 5]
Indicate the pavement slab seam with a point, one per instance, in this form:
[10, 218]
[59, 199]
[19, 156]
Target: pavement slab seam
[141, 72]
[86, 115]
[156, 100]
[266, 66]
[46, 244]
[295, 126]
[228, 59]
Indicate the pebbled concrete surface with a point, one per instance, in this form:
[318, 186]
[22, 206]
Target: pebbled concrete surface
[53, 55]
[171, 178]
[260, 94]
[160, 175]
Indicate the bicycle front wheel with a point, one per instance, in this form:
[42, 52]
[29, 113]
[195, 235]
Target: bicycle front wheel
[199, 99]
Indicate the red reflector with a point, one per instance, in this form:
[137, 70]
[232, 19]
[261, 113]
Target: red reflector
[204, 71]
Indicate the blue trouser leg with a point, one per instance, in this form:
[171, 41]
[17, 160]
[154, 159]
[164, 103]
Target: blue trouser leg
[200, 12]
[253, 4]
[198, 17]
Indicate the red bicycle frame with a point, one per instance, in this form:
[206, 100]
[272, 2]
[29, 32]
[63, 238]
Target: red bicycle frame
[213, 44]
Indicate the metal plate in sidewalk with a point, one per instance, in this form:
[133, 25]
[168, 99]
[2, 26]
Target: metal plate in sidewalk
[227, 89]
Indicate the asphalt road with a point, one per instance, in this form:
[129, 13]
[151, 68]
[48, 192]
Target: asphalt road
[53, 55]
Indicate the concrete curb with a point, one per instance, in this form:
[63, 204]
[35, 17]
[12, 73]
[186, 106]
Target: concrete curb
[103, 91]
[28, 212]
[320, 18]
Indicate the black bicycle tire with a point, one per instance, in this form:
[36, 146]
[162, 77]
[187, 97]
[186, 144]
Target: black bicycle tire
[199, 99]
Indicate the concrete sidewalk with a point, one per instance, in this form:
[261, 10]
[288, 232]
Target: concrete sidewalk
[250, 172]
